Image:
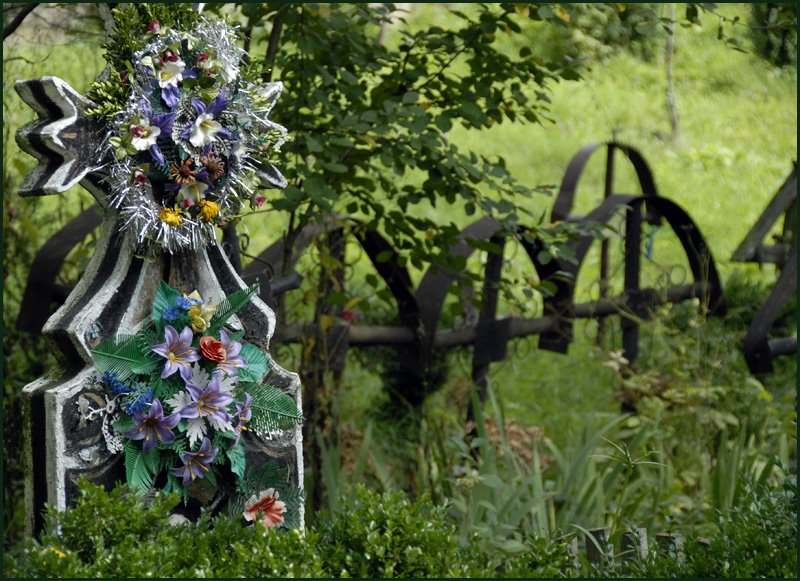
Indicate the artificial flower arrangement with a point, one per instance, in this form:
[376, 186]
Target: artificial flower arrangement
[189, 139]
[181, 392]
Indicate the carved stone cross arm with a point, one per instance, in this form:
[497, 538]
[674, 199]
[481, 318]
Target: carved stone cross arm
[63, 139]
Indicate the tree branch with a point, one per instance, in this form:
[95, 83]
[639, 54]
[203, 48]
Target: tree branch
[21, 15]
[272, 46]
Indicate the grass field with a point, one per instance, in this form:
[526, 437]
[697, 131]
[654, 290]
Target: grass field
[737, 140]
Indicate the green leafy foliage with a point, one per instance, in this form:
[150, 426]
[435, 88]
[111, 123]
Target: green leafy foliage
[273, 410]
[385, 112]
[236, 458]
[257, 364]
[130, 25]
[773, 30]
[756, 539]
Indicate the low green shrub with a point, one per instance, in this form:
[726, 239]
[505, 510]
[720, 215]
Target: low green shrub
[116, 534]
[757, 538]
[113, 534]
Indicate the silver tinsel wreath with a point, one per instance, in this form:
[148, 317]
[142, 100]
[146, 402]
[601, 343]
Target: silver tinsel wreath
[245, 116]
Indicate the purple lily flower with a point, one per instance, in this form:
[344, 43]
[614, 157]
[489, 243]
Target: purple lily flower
[232, 358]
[195, 464]
[199, 106]
[244, 413]
[208, 402]
[147, 110]
[155, 153]
[169, 95]
[164, 122]
[218, 104]
[190, 74]
[153, 427]
[179, 352]
[214, 108]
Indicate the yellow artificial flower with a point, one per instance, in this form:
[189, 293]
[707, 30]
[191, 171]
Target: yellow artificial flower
[170, 217]
[200, 316]
[208, 210]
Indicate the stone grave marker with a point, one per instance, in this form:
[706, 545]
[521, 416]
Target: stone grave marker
[67, 417]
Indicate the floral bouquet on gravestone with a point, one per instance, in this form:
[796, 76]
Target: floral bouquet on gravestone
[188, 138]
[181, 392]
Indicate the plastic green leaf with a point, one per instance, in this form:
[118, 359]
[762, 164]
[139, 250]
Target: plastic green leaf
[236, 457]
[273, 410]
[139, 467]
[257, 364]
[165, 298]
[229, 306]
[125, 356]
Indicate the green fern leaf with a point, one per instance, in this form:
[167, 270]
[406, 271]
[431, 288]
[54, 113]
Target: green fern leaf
[229, 306]
[125, 356]
[273, 410]
[257, 364]
[180, 445]
[137, 467]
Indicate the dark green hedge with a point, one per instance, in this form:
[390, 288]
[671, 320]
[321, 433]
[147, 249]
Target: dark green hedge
[114, 535]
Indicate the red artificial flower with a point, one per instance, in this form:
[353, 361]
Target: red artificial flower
[268, 505]
[212, 349]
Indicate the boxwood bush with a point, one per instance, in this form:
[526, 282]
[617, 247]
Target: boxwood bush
[115, 534]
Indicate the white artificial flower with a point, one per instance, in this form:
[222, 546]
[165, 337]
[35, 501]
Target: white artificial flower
[194, 191]
[170, 73]
[144, 135]
[204, 131]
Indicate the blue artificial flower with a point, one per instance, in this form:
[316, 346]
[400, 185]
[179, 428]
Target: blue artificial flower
[170, 314]
[186, 303]
[140, 403]
[113, 383]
